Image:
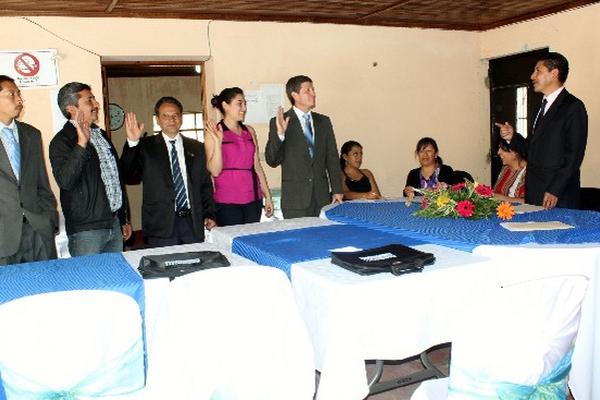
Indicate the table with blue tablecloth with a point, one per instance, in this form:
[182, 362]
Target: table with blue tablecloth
[354, 318]
[219, 334]
[466, 234]
[541, 253]
[212, 334]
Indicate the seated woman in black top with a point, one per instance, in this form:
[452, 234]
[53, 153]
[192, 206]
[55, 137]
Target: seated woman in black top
[431, 172]
[356, 183]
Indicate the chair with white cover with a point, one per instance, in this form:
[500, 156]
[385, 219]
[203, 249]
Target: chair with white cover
[71, 344]
[515, 344]
[72, 329]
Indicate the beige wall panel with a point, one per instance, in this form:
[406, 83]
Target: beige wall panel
[575, 34]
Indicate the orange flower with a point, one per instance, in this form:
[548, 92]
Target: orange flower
[505, 211]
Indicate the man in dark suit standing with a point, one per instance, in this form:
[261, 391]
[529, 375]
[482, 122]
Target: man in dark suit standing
[303, 143]
[84, 164]
[555, 146]
[178, 192]
[28, 218]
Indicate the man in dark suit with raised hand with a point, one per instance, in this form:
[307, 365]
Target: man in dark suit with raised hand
[303, 143]
[178, 193]
[28, 218]
[555, 146]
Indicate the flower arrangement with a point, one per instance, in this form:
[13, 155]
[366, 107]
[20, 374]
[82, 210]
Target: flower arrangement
[463, 200]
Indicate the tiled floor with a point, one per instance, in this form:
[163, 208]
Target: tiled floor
[397, 369]
[439, 357]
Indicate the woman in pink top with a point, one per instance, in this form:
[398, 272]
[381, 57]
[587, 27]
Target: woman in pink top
[232, 157]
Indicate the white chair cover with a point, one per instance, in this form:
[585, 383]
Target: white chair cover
[519, 334]
[81, 343]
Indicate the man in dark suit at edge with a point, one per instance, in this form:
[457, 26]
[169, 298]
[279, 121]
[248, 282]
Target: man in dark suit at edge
[303, 143]
[28, 218]
[556, 144]
[178, 193]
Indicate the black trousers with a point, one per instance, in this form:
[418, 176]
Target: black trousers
[183, 233]
[235, 214]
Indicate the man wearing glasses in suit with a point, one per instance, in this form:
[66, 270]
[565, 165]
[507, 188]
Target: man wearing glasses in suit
[28, 218]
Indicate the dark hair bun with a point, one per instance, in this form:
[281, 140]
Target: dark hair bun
[215, 101]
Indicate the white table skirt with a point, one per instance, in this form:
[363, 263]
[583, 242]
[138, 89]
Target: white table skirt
[226, 333]
[353, 318]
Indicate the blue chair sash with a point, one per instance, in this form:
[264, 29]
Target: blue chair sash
[550, 387]
[113, 378]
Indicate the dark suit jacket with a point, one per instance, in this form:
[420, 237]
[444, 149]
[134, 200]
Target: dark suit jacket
[555, 152]
[149, 162]
[302, 175]
[31, 196]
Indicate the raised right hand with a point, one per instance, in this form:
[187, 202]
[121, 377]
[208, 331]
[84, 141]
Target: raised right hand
[215, 131]
[282, 123]
[506, 131]
[134, 130]
[83, 129]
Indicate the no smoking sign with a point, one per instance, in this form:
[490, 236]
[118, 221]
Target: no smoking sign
[26, 64]
[30, 68]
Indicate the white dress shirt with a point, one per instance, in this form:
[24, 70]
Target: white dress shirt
[180, 157]
[551, 98]
[300, 114]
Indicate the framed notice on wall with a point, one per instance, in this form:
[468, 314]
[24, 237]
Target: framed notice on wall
[30, 68]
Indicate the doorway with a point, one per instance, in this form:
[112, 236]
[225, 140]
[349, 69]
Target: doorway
[512, 98]
[136, 86]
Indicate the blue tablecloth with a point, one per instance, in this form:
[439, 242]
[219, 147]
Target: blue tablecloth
[284, 248]
[464, 234]
[107, 271]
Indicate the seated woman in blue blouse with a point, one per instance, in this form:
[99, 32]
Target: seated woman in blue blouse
[432, 170]
[357, 183]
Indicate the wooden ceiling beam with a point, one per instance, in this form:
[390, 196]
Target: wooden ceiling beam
[382, 10]
[375, 17]
[538, 13]
[111, 6]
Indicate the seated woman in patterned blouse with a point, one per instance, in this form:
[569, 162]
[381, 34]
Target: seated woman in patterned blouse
[357, 183]
[510, 185]
[432, 170]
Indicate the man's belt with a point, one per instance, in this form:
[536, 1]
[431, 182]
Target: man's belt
[186, 212]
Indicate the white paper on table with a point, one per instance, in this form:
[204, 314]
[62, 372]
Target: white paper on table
[347, 249]
[525, 208]
[534, 226]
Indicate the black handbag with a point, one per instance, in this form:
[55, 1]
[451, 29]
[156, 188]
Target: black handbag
[395, 258]
[178, 264]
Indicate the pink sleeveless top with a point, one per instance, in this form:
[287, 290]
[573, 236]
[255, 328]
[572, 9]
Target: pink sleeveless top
[237, 183]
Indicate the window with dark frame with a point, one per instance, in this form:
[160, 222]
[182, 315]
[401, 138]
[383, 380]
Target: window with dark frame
[192, 125]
